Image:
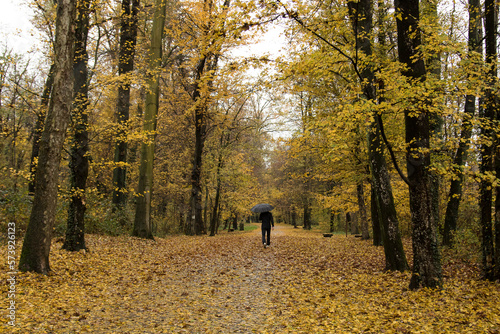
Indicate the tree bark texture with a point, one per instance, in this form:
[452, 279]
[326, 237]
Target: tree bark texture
[493, 103]
[205, 67]
[376, 228]
[195, 225]
[40, 122]
[395, 258]
[203, 82]
[429, 12]
[332, 221]
[307, 214]
[128, 39]
[361, 13]
[488, 150]
[215, 213]
[142, 221]
[455, 192]
[426, 258]
[78, 159]
[37, 240]
[365, 233]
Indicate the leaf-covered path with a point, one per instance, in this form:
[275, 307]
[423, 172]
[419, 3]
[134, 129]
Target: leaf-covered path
[303, 283]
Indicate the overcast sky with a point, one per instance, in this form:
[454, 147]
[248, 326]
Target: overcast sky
[16, 31]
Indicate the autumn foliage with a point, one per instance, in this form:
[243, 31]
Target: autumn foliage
[303, 283]
[377, 119]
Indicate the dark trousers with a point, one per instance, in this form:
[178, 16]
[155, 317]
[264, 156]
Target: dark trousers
[268, 232]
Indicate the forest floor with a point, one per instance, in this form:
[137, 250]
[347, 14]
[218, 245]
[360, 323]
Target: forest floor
[303, 283]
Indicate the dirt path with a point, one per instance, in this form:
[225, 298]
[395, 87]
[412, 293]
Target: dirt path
[303, 283]
[239, 294]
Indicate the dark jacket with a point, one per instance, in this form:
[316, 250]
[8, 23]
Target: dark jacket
[267, 219]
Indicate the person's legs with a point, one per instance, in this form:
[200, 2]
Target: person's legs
[268, 236]
[264, 236]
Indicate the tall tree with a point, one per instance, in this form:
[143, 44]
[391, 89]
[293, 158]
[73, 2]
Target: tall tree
[426, 258]
[455, 192]
[216, 204]
[212, 27]
[487, 150]
[142, 221]
[227, 138]
[37, 240]
[195, 219]
[128, 40]
[78, 159]
[361, 13]
[38, 130]
[41, 114]
[429, 11]
[386, 214]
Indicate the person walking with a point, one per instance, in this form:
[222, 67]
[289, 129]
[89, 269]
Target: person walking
[267, 224]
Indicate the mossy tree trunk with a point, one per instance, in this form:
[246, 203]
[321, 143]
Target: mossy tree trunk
[142, 221]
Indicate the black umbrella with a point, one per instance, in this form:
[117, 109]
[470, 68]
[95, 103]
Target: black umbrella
[262, 207]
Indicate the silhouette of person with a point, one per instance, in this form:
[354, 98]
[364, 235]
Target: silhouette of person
[267, 224]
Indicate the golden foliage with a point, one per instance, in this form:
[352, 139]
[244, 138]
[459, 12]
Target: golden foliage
[303, 283]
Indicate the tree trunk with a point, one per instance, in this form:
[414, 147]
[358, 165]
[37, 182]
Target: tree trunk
[142, 221]
[181, 217]
[455, 193]
[493, 103]
[377, 232]
[37, 240]
[433, 65]
[196, 218]
[205, 209]
[487, 149]
[365, 234]
[203, 82]
[347, 222]
[215, 214]
[235, 221]
[355, 223]
[128, 38]
[395, 258]
[426, 259]
[307, 215]
[208, 63]
[78, 159]
[40, 122]
[332, 221]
